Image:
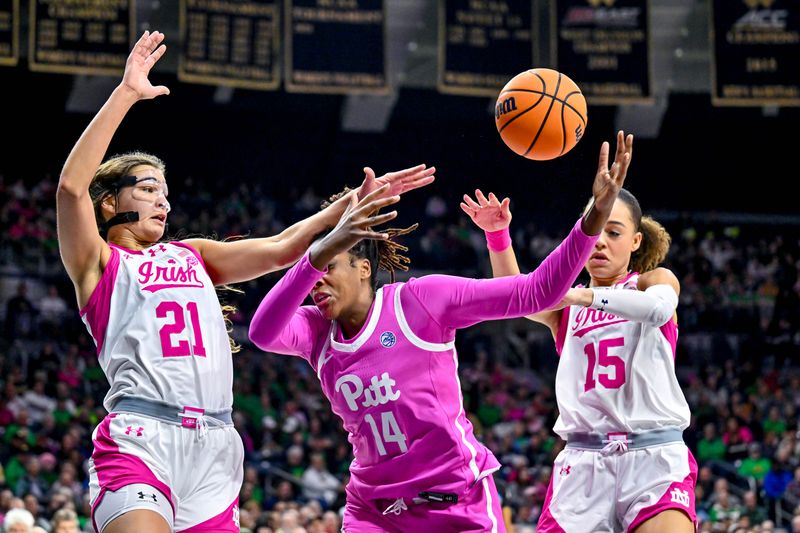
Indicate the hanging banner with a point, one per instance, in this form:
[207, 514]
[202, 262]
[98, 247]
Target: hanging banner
[336, 46]
[9, 32]
[483, 44]
[604, 46]
[229, 42]
[81, 36]
[755, 56]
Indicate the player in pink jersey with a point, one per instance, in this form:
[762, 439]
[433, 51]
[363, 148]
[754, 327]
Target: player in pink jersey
[167, 457]
[387, 362]
[621, 410]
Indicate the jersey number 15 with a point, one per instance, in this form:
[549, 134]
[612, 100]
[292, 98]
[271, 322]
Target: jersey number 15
[610, 380]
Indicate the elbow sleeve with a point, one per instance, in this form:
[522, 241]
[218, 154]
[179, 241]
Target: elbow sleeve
[655, 306]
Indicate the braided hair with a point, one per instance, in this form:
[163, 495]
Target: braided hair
[386, 255]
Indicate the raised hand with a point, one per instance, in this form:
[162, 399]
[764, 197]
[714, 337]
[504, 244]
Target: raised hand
[399, 182]
[608, 181]
[356, 223]
[488, 214]
[146, 53]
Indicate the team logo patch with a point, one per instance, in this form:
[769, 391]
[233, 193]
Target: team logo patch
[388, 339]
[680, 496]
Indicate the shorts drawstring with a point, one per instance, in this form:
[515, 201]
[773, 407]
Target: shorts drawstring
[397, 507]
[614, 447]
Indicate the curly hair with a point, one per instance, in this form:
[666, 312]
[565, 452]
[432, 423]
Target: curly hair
[386, 255]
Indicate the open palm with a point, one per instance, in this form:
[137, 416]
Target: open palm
[145, 54]
[489, 214]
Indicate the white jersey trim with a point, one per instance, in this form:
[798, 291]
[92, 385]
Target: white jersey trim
[406, 329]
[322, 359]
[367, 333]
[473, 465]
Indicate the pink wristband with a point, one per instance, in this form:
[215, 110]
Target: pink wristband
[499, 240]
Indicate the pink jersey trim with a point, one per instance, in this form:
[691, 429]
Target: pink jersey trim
[116, 469]
[686, 488]
[561, 336]
[98, 308]
[670, 331]
[223, 522]
[137, 252]
[548, 524]
[193, 250]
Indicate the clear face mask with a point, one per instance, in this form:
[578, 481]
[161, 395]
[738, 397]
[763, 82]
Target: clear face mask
[151, 190]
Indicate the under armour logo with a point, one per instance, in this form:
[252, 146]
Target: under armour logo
[161, 248]
[138, 431]
[565, 470]
[603, 304]
[680, 496]
[144, 495]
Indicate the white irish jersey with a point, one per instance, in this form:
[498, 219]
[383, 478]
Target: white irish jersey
[615, 375]
[156, 321]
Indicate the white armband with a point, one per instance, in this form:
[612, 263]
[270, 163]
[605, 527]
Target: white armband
[654, 306]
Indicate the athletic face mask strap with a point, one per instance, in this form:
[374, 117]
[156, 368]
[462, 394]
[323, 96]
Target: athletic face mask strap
[127, 217]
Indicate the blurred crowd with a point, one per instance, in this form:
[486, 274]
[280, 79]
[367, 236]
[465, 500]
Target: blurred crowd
[737, 361]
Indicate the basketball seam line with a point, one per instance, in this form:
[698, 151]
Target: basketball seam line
[546, 116]
[515, 117]
[550, 96]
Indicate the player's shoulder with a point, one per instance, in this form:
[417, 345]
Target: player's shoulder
[658, 276]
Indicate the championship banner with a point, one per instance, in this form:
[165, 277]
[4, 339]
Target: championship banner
[229, 42]
[482, 44]
[604, 46]
[9, 32]
[336, 46]
[755, 56]
[81, 36]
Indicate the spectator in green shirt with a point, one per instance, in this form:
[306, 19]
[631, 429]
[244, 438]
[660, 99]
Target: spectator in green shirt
[774, 422]
[755, 465]
[711, 445]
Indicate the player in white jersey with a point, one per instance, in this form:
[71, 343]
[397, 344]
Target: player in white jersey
[167, 457]
[621, 410]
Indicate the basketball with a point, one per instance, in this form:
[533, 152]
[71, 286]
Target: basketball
[541, 114]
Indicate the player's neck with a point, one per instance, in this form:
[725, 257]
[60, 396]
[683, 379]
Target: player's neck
[353, 320]
[608, 282]
[127, 240]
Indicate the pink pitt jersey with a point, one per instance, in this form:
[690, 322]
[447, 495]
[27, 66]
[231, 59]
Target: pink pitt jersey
[395, 384]
[616, 375]
[400, 400]
[160, 335]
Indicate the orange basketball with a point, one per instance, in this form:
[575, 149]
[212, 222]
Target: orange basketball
[541, 114]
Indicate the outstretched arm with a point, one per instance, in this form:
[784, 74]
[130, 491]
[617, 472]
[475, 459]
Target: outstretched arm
[654, 302]
[245, 259]
[494, 217]
[83, 251]
[277, 325]
[456, 303]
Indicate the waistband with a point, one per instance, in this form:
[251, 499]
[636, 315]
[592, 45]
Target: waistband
[187, 416]
[631, 441]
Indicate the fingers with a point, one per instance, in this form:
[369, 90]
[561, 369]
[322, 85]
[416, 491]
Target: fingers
[369, 174]
[504, 205]
[375, 194]
[481, 198]
[493, 201]
[365, 209]
[400, 174]
[602, 164]
[471, 203]
[620, 146]
[378, 219]
[467, 209]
